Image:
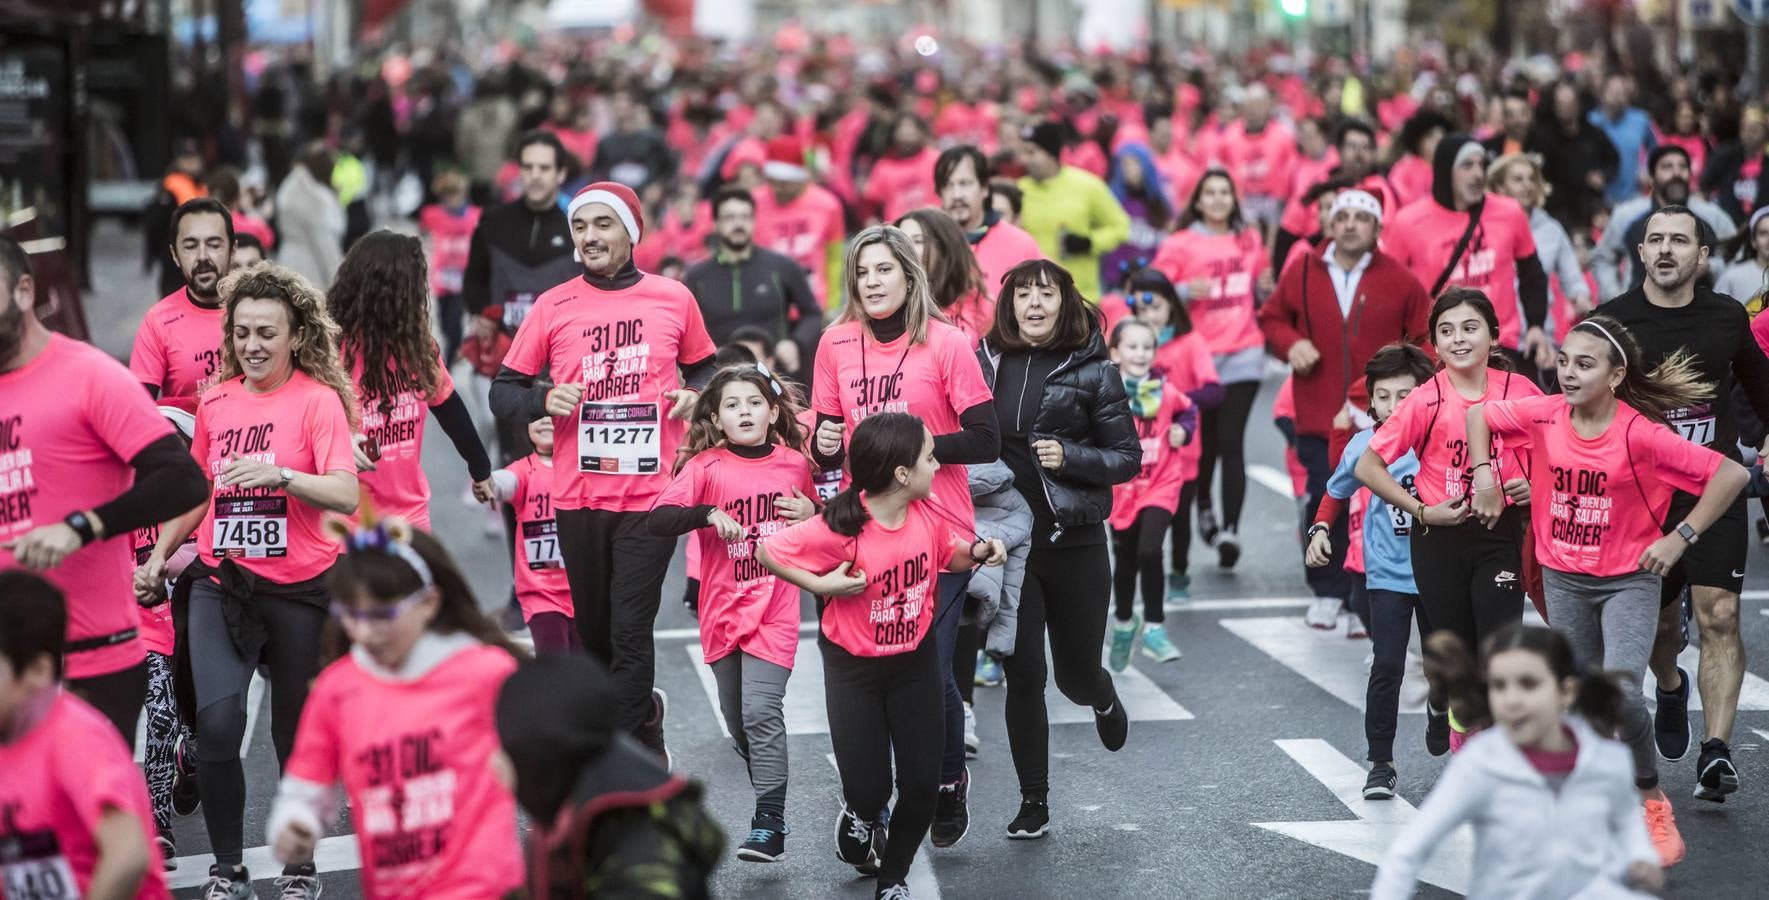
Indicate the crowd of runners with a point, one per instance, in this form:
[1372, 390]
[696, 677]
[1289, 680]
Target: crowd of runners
[968, 354]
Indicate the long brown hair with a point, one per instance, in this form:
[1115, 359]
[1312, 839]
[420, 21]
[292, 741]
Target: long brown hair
[381, 301]
[952, 273]
[1672, 384]
[703, 425]
[918, 299]
[313, 335]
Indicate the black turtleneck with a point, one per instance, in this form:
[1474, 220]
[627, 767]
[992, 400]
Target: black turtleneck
[978, 439]
[625, 277]
[666, 520]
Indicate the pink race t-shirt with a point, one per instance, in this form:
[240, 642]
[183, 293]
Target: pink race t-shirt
[1259, 162]
[451, 236]
[1597, 503]
[973, 314]
[1157, 484]
[397, 486]
[178, 349]
[1232, 262]
[1187, 365]
[742, 605]
[936, 380]
[70, 421]
[1433, 423]
[899, 184]
[624, 347]
[802, 231]
[1002, 247]
[300, 425]
[540, 570]
[432, 818]
[60, 779]
[901, 566]
[1423, 235]
[157, 635]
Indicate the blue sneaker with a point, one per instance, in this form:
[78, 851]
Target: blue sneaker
[1123, 641]
[1157, 646]
[988, 670]
[1179, 588]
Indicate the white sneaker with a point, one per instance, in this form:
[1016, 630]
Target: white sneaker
[1354, 626]
[1323, 613]
[971, 741]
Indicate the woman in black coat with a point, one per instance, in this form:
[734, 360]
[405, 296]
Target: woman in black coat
[1067, 434]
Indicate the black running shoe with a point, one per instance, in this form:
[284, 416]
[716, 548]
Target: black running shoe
[1380, 784]
[767, 840]
[952, 812]
[1032, 823]
[1207, 529]
[1113, 725]
[185, 798]
[896, 890]
[651, 733]
[858, 843]
[1228, 549]
[1670, 722]
[1437, 732]
[1714, 774]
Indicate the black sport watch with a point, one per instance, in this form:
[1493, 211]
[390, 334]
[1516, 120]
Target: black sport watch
[82, 526]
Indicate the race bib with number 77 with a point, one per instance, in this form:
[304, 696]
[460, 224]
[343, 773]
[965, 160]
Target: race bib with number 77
[540, 544]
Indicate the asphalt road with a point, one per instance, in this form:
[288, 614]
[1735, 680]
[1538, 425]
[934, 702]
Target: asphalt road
[1239, 778]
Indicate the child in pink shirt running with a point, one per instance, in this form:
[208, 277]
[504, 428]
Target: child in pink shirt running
[541, 588]
[741, 476]
[76, 820]
[405, 719]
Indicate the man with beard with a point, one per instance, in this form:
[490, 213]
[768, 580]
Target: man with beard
[611, 341]
[1669, 166]
[961, 177]
[178, 347]
[1356, 144]
[85, 459]
[743, 284]
[1672, 313]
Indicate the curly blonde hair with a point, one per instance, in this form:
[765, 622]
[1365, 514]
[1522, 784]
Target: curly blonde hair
[313, 334]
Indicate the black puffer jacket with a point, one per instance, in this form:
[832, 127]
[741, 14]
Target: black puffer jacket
[1083, 406]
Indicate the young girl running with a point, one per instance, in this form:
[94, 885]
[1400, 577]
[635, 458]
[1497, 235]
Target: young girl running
[1583, 835]
[1381, 531]
[542, 590]
[872, 558]
[405, 719]
[1468, 574]
[1143, 507]
[741, 473]
[1221, 268]
[1183, 358]
[1605, 467]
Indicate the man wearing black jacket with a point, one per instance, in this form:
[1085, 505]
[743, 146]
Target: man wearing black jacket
[518, 251]
[742, 284]
[1673, 312]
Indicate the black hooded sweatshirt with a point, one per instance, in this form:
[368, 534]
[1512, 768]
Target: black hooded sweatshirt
[1532, 280]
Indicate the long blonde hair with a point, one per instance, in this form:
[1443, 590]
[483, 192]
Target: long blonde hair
[313, 334]
[919, 298]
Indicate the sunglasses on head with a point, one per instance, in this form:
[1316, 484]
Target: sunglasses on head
[1143, 298]
[386, 612]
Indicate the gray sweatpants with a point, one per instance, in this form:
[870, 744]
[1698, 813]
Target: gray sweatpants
[1611, 623]
[752, 693]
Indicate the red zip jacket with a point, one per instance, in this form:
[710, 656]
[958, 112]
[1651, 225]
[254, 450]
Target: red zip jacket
[1389, 305]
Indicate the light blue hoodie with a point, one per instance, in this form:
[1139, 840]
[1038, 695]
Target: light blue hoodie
[1388, 558]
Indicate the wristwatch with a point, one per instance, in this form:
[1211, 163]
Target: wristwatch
[284, 476]
[1687, 533]
[82, 526]
[1318, 526]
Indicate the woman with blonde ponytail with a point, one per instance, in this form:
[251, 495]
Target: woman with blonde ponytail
[1605, 467]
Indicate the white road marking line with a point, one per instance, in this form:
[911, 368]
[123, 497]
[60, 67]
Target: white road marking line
[1377, 824]
[921, 880]
[334, 854]
[1328, 659]
[807, 711]
[1274, 480]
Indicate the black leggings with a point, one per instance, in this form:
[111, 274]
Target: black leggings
[1470, 578]
[1222, 433]
[616, 568]
[1065, 594]
[118, 696]
[1182, 527]
[878, 705]
[1136, 556]
[221, 676]
[1389, 617]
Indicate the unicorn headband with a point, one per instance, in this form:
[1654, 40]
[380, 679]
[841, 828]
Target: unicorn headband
[1607, 336]
[392, 537]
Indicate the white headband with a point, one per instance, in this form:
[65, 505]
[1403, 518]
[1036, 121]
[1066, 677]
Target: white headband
[1467, 150]
[1755, 218]
[1607, 336]
[1356, 201]
[608, 199]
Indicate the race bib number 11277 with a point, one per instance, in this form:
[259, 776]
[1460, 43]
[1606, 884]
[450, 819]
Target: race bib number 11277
[619, 439]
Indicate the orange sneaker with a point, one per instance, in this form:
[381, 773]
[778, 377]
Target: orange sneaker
[1662, 826]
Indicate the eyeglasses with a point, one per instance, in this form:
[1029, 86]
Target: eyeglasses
[344, 612]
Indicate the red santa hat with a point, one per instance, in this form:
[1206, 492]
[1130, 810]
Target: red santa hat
[786, 160]
[615, 196]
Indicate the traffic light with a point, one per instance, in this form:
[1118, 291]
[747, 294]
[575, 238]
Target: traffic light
[1294, 9]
